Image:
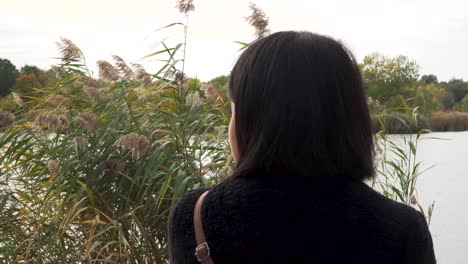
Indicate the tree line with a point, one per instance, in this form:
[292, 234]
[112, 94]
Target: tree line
[387, 81]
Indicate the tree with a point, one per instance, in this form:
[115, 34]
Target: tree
[386, 77]
[428, 79]
[40, 75]
[448, 101]
[428, 97]
[458, 87]
[51, 76]
[26, 83]
[464, 104]
[219, 81]
[8, 75]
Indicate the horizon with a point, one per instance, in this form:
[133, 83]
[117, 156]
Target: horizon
[429, 32]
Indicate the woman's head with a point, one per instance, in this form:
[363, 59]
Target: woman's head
[299, 106]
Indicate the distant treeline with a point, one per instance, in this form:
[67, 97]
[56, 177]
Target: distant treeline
[388, 81]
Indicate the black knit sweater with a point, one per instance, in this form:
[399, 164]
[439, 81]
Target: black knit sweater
[267, 218]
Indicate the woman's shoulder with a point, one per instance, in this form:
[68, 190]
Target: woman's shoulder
[186, 204]
[181, 238]
[400, 216]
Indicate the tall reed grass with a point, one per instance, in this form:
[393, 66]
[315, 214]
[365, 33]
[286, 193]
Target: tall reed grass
[449, 121]
[90, 169]
[396, 122]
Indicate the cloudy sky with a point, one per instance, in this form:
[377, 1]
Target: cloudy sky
[434, 33]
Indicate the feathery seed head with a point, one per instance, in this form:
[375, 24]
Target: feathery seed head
[185, 6]
[137, 144]
[59, 72]
[193, 99]
[259, 21]
[124, 69]
[87, 81]
[107, 72]
[179, 77]
[7, 120]
[58, 100]
[89, 120]
[51, 121]
[92, 93]
[70, 52]
[17, 100]
[141, 74]
[139, 70]
[82, 142]
[210, 92]
[52, 165]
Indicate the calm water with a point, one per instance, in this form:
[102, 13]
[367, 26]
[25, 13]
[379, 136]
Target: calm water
[447, 184]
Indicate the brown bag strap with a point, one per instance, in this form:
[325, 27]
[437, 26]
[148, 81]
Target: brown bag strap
[202, 251]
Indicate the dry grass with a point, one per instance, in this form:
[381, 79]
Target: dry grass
[449, 121]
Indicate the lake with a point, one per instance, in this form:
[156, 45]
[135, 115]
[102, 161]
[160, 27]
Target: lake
[447, 184]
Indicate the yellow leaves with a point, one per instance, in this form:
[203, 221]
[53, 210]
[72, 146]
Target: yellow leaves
[96, 221]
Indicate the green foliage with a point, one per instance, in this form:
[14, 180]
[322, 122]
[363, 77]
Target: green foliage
[40, 75]
[458, 88]
[26, 83]
[386, 77]
[464, 102]
[90, 173]
[7, 103]
[429, 98]
[51, 77]
[448, 101]
[428, 79]
[220, 84]
[397, 165]
[399, 119]
[220, 81]
[8, 75]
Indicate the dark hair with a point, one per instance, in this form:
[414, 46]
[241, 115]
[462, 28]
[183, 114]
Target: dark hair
[300, 107]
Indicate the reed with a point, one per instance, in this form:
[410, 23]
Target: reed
[90, 169]
[449, 121]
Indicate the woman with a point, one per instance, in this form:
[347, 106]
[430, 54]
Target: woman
[301, 137]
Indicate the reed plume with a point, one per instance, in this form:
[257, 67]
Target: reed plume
[179, 77]
[7, 120]
[51, 121]
[210, 92]
[69, 51]
[87, 81]
[185, 6]
[137, 144]
[92, 93]
[259, 21]
[52, 165]
[17, 100]
[89, 120]
[141, 74]
[58, 100]
[193, 99]
[59, 72]
[124, 69]
[107, 72]
[81, 141]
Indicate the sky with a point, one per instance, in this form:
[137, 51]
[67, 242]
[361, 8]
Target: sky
[433, 33]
